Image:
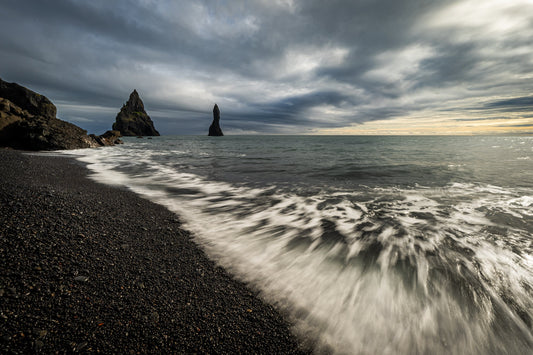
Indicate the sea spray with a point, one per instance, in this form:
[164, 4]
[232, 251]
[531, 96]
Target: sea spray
[365, 265]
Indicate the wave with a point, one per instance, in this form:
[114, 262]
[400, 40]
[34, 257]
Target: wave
[368, 270]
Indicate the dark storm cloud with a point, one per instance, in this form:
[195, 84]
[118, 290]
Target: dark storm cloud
[517, 104]
[517, 125]
[272, 66]
[481, 119]
[289, 110]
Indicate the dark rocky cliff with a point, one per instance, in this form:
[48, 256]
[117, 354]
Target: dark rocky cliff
[214, 129]
[28, 121]
[27, 100]
[132, 120]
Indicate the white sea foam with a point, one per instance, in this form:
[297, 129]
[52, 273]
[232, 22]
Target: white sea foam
[378, 270]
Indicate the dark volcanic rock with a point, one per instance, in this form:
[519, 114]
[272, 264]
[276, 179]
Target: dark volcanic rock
[40, 133]
[132, 120]
[27, 121]
[27, 100]
[214, 129]
[108, 138]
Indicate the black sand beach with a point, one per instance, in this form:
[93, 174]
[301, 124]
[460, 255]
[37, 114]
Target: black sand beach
[91, 268]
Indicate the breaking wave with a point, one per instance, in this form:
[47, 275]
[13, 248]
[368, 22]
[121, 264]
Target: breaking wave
[416, 269]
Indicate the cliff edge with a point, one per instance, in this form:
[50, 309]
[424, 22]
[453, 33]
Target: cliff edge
[28, 121]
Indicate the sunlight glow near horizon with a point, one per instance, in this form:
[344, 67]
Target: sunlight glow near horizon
[444, 126]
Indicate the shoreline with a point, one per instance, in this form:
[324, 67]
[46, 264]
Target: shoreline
[92, 268]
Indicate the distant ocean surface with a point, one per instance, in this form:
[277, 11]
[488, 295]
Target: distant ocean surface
[374, 245]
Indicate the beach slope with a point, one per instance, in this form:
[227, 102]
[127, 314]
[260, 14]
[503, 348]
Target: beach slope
[92, 268]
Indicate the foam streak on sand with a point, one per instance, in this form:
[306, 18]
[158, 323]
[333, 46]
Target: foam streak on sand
[369, 270]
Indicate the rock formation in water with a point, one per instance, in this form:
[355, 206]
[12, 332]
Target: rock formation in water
[132, 120]
[28, 121]
[108, 138]
[214, 129]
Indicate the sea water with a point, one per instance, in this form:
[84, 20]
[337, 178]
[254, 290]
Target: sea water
[373, 245]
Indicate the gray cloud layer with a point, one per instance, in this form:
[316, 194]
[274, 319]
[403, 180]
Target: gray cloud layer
[275, 66]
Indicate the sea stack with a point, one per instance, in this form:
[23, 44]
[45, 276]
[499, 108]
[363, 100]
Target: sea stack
[132, 120]
[214, 129]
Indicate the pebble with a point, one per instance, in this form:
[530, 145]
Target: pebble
[38, 345]
[81, 278]
[154, 317]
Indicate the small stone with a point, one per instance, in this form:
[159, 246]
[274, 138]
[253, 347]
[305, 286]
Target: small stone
[78, 347]
[154, 317]
[81, 278]
[38, 345]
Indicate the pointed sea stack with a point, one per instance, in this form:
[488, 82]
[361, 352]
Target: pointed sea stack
[214, 129]
[132, 120]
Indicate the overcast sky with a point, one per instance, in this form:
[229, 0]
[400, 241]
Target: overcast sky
[279, 66]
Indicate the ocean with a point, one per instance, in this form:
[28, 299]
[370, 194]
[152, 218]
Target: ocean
[372, 245]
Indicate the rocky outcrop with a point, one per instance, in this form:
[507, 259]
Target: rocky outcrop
[214, 129]
[108, 138]
[27, 100]
[27, 121]
[132, 120]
